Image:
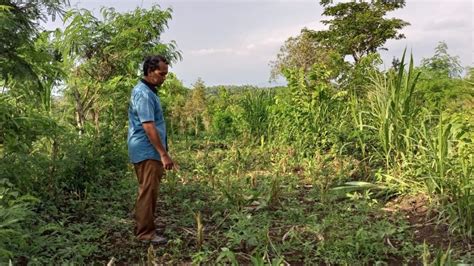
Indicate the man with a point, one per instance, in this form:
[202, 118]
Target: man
[147, 145]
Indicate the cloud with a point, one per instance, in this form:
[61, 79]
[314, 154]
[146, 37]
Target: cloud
[280, 35]
[448, 24]
[223, 51]
[209, 51]
[263, 44]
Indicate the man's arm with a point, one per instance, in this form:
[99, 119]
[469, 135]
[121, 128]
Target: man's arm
[155, 140]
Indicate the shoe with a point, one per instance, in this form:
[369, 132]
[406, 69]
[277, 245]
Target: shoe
[160, 231]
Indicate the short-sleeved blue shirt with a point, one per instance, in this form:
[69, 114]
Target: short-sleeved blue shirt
[145, 106]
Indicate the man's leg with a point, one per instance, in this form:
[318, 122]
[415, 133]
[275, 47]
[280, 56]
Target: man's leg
[149, 174]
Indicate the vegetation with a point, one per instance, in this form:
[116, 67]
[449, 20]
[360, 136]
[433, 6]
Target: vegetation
[348, 163]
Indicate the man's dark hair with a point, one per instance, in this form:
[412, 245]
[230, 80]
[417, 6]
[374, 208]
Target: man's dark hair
[152, 63]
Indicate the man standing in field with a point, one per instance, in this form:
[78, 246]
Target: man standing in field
[147, 145]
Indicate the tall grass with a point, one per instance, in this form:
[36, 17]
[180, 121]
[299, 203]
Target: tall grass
[446, 153]
[255, 104]
[393, 110]
[418, 147]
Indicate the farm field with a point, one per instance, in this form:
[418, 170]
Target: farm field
[352, 161]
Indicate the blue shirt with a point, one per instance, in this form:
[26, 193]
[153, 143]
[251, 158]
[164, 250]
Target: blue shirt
[145, 106]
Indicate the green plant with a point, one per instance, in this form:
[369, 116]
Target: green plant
[227, 256]
[440, 258]
[256, 105]
[393, 110]
[448, 148]
[247, 232]
[15, 211]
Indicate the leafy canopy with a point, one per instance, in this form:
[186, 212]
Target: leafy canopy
[359, 28]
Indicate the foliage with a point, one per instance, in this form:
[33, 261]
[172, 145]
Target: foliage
[302, 52]
[173, 96]
[20, 20]
[449, 151]
[358, 28]
[391, 102]
[440, 82]
[103, 57]
[15, 210]
[20, 126]
[310, 173]
[442, 63]
[256, 113]
[195, 108]
[302, 113]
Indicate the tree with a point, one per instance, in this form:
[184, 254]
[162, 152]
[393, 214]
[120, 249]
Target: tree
[359, 28]
[29, 70]
[301, 51]
[20, 28]
[440, 81]
[195, 107]
[104, 57]
[442, 63]
[173, 95]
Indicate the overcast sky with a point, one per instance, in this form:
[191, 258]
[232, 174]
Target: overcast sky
[231, 42]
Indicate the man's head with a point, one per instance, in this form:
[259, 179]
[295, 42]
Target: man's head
[155, 69]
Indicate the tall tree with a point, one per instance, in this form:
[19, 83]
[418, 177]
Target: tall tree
[440, 81]
[104, 57]
[173, 96]
[302, 52]
[29, 70]
[443, 63]
[19, 30]
[195, 108]
[358, 28]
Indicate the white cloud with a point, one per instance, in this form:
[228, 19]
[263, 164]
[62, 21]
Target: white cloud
[210, 51]
[280, 35]
[448, 24]
[269, 40]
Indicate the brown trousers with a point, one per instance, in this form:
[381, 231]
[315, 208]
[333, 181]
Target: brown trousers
[149, 174]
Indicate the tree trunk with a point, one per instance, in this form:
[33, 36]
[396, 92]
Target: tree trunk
[196, 126]
[80, 115]
[95, 117]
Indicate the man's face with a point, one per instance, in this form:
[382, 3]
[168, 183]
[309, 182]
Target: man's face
[158, 76]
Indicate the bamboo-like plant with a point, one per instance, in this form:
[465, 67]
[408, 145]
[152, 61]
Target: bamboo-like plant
[393, 109]
[447, 156]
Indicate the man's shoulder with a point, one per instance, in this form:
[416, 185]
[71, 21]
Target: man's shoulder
[141, 92]
[140, 89]
[140, 86]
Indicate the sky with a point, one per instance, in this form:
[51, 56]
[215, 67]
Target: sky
[232, 42]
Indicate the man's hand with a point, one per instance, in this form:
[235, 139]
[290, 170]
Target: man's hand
[168, 163]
